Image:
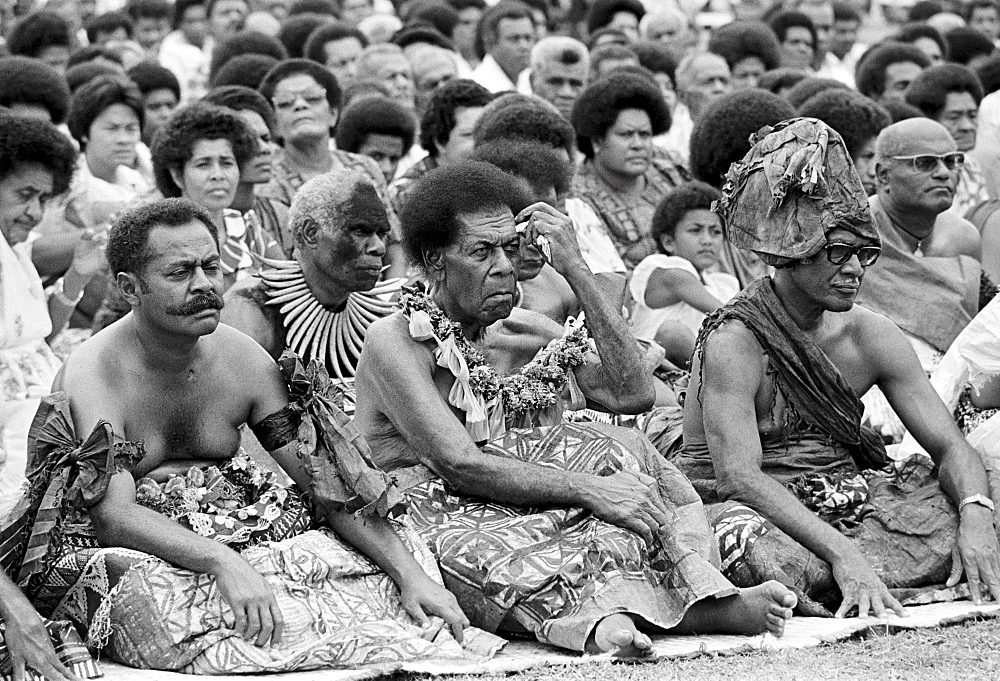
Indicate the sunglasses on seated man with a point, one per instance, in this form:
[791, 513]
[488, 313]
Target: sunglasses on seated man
[928, 163]
[839, 253]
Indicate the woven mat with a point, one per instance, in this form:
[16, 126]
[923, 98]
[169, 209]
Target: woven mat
[801, 632]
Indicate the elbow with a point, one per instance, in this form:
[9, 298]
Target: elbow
[734, 486]
[103, 520]
[640, 397]
[460, 473]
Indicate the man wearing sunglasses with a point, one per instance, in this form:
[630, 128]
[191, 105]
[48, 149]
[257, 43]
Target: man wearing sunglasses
[927, 250]
[796, 488]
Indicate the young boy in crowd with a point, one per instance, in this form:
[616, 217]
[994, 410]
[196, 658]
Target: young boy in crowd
[678, 286]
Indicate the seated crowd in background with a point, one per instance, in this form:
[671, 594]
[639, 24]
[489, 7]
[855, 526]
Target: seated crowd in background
[316, 311]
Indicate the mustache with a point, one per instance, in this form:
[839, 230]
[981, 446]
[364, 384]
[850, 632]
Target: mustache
[207, 301]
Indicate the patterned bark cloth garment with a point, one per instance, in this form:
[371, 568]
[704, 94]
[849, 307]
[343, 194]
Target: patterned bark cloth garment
[556, 572]
[339, 609]
[899, 517]
[551, 572]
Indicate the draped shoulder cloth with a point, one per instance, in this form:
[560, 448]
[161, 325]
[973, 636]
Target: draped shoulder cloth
[813, 387]
[63, 473]
[344, 475]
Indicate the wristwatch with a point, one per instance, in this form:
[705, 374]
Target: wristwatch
[980, 499]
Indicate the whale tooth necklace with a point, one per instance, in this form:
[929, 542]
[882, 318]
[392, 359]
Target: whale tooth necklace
[314, 332]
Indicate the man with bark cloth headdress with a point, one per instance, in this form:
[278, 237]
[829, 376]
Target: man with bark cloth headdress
[800, 491]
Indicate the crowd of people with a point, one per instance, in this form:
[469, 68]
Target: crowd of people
[337, 333]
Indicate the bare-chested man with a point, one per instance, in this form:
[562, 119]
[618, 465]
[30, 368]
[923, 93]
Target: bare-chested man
[171, 388]
[772, 419]
[927, 250]
[578, 533]
[321, 304]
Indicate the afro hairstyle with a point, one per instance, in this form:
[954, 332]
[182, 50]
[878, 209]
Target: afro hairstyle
[807, 88]
[845, 11]
[129, 236]
[359, 89]
[901, 111]
[784, 78]
[740, 40]
[431, 211]
[438, 13]
[677, 203]
[94, 53]
[38, 31]
[460, 5]
[598, 106]
[29, 140]
[174, 145]
[247, 70]
[539, 165]
[421, 32]
[181, 7]
[856, 118]
[929, 91]
[295, 31]
[328, 7]
[521, 117]
[79, 75]
[657, 57]
[912, 32]
[722, 133]
[329, 32]
[870, 73]
[438, 119]
[109, 22]
[24, 80]
[244, 42]
[924, 10]
[989, 74]
[150, 76]
[603, 11]
[374, 116]
[241, 98]
[96, 96]
[293, 67]
[966, 44]
[611, 52]
[784, 20]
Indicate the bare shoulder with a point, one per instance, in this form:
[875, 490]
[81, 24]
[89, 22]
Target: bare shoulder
[957, 235]
[389, 338]
[238, 349]
[732, 343]
[97, 360]
[874, 333]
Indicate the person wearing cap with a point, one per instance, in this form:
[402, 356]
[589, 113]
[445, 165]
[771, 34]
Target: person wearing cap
[773, 437]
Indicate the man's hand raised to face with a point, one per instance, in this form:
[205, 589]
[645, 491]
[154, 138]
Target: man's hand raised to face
[542, 220]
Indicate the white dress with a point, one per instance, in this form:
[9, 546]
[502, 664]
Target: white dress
[27, 364]
[646, 321]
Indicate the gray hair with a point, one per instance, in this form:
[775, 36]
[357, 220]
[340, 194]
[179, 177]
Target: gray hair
[320, 200]
[562, 49]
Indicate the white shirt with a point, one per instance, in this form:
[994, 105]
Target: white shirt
[596, 246]
[834, 68]
[492, 77]
[186, 61]
[646, 321]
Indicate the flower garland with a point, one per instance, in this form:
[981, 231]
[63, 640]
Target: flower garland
[535, 387]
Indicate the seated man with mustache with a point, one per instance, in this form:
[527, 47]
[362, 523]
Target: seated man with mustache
[800, 491]
[320, 304]
[137, 462]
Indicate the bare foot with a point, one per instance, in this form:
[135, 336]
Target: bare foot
[617, 634]
[755, 610]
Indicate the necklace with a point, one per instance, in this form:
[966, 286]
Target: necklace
[479, 389]
[314, 332]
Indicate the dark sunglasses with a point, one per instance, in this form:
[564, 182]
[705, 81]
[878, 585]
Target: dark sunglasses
[838, 253]
[928, 163]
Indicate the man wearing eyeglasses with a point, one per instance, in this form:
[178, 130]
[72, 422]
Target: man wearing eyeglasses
[797, 489]
[928, 279]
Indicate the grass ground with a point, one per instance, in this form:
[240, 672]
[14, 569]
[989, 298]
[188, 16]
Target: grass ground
[964, 652]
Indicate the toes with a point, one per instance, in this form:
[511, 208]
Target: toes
[641, 641]
[620, 638]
